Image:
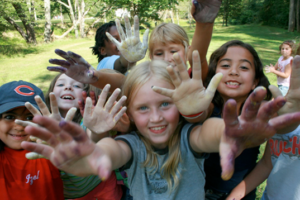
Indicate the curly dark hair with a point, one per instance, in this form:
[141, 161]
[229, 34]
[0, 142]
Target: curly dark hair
[259, 74]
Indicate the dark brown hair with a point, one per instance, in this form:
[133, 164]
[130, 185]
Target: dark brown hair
[213, 62]
[290, 43]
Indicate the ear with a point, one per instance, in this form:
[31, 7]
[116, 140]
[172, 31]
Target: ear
[130, 117]
[102, 51]
[255, 83]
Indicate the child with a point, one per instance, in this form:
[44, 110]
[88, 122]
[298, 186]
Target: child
[280, 160]
[163, 157]
[68, 92]
[283, 68]
[21, 178]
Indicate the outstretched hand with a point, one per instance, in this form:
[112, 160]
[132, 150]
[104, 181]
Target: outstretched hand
[205, 11]
[69, 148]
[253, 127]
[104, 116]
[269, 68]
[73, 66]
[131, 46]
[188, 91]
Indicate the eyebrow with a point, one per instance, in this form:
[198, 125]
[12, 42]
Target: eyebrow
[243, 60]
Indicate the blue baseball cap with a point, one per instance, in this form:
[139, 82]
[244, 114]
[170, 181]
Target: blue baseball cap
[16, 93]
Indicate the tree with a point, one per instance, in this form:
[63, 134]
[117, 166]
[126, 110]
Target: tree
[47, 32]
[292, 16]
[10, 10]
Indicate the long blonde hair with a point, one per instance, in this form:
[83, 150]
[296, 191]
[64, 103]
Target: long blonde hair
[168, 33]
[137, 77]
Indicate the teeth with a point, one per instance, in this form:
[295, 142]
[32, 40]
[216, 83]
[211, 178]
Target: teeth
[68, 97]
[158, 128]
[232, 83]
[18, 135]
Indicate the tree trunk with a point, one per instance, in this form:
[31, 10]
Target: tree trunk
[81, 18]
[292, 16]
[32, 12]
[73, 19]
[28, 26]
[177, 16]
[298, 15]
[18, 28]
[61, 15]
[47, 32]
[171, 14]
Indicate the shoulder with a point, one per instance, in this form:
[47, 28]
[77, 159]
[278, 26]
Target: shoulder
[107, 62]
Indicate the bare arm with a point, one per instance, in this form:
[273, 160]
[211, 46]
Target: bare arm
[103, 78]
[285, 74]
[256, 177]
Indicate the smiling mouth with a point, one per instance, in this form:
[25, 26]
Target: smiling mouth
[18, 136]
[232, 83]
[67, 97]
[158, 129]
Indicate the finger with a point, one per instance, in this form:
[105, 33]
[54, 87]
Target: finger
[285, 120]
[136, 27]
[110, 102]
[81, 106]
[119, 115]
[79, 59]
[183, 73]
[196, 66]
[25, 123]
[70, 114]
[42, 149]
[33, 156]
[229, 113]
[104, 167]
[93, 97]
[270, 108]
[193, 8]
[275, 91]
[43, 108]
[113, 40]
[294, 79]
[174, 76]
[163, 91]
[62, 63]
[213, 84]
[127, 26]
[57, 69]
[118, 105]
[145, 38]
[32, 138]
[120, 30]
[88, 109]
[252, 103]
[74, 130]
[227, 161]
[103, 96]
[32, 109]
[54, 107]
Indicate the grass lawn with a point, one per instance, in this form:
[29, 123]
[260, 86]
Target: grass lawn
[19, 61]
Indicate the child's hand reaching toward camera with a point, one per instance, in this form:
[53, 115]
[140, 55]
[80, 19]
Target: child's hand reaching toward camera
[131, 46]
[74, 66]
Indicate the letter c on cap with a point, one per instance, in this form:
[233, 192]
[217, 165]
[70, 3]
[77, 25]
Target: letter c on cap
[17, 90]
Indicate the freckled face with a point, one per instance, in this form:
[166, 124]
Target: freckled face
[11, 133]
[238, 71]
[156, 117]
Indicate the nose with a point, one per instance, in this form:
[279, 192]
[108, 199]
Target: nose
[168, 57]
[156, 116]
[18, 128]
[68, 87]
[234, 71]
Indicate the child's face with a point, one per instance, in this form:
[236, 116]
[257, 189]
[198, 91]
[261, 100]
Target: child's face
[67, 92]
[11, 133]
[110, 48]
[238, 71]
[165, 52]
[286, 50]
[155, 116]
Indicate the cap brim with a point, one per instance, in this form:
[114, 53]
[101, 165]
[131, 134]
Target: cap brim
[8, 106]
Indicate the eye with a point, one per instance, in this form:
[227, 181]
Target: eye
[8, 117]
[158, 54]
[142, 108]
[174, 51]
[244, 67]
[165, 104]
[225, 66]
[60, 85]
[77, 86]
[29, 118]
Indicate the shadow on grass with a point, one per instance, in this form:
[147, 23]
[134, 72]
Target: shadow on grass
[18, 50]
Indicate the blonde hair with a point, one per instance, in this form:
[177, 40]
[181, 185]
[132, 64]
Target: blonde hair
[168, 33]
[137, 77]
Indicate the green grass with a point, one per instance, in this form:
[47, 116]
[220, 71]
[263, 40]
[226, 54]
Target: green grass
[20, 61]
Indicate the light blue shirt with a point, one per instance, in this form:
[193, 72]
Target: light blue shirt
[107, 62]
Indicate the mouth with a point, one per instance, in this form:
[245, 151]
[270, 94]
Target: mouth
[67, 97]
[158, 129]
[232, 84]
[19, 137]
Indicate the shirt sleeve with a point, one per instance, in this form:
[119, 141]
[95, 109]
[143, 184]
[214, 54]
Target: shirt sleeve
[107, 62]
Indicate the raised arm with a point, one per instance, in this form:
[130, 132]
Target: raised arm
[256, 177]
[79, 69]
[204, 12]
[231, 136]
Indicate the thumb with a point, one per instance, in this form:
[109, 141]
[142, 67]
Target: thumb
[227, 160]
[213, 84]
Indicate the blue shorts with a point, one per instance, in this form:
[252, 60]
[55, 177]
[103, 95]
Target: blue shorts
[283, 89]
